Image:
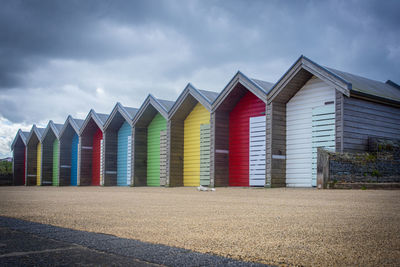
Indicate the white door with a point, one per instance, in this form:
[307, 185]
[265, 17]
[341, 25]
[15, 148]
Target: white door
[323, 133]
[101, 161]
[129, 161]
[257, 151]
[299, 156]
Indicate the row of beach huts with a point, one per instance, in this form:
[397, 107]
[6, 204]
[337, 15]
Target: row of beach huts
[252, 133]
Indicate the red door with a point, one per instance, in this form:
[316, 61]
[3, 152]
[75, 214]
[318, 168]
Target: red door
[23, 178]
[248, 106]
[98, 136]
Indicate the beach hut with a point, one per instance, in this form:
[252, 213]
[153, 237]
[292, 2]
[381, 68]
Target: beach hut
[90, 157]
[313, 106]
[34, 156]
[50, 154]
[188, 138]
[238, 125]
[150, 142]
[69, 140]
[118, 146]
[18, 148]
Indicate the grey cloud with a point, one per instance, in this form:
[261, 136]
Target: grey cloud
[140, 47]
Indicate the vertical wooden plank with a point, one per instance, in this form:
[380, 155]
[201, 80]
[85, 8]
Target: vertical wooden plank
[205, 154]
[163, 157]
[39, 164]
[257, 151]
[56, 154]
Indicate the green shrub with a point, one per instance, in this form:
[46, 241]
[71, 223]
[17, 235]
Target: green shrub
[5, 168]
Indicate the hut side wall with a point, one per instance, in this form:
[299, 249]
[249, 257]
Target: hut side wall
[363, 118]
[175, 153]
[19, 163]
[65, 159]
[85, 159]
[276, 145]
[140, 156]
[339, 121]
[220, 148]
[110, 157]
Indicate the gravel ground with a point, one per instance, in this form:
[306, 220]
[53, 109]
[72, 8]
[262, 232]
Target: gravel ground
[274, 226]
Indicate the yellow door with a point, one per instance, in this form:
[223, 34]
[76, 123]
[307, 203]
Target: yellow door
[191, 144]
[39, 163]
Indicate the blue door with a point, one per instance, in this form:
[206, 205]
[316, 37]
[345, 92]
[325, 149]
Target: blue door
[124, 155]
[74, 160]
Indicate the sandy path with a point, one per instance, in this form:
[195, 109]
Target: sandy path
[275, 226]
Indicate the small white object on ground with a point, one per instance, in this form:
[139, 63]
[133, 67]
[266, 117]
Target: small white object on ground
[203, 188]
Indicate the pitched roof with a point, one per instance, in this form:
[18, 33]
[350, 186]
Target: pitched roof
[103, 117]
[210, 95]
[131, 111]
[204, 97]
[22, 135]
[368, 86]
[38, 132]
[257, 87]
[167, 104]
[263, 84]
[344, 82]
[79, 122]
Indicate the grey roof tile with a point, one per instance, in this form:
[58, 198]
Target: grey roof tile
[210, 95]
[267, 86]
[167, 104]
[368, 86]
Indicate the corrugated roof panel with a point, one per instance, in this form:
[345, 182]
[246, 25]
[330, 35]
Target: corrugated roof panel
[102, 117]
[167, 104]
[210, 95]
[267, 86]
[79, 122]
[368, 86]
[131, 111]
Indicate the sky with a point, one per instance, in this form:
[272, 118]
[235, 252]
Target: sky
[65, 57]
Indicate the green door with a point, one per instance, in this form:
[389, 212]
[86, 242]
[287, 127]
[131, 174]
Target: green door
[157, 125]
[56, 154]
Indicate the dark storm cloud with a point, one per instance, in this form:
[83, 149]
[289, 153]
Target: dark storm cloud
[357, 36]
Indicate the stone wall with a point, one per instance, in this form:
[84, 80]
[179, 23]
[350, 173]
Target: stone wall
[381, 164]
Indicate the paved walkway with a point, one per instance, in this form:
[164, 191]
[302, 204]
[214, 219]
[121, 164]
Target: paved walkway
[25, 243]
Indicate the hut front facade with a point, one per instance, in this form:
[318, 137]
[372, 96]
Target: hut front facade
[69, 140]
[18, 148]
[150, 142]
[90, 157]
[313, 106]
[238, 132]
[34, 156]
[50, 154]
[189, 138]
[118, 146]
